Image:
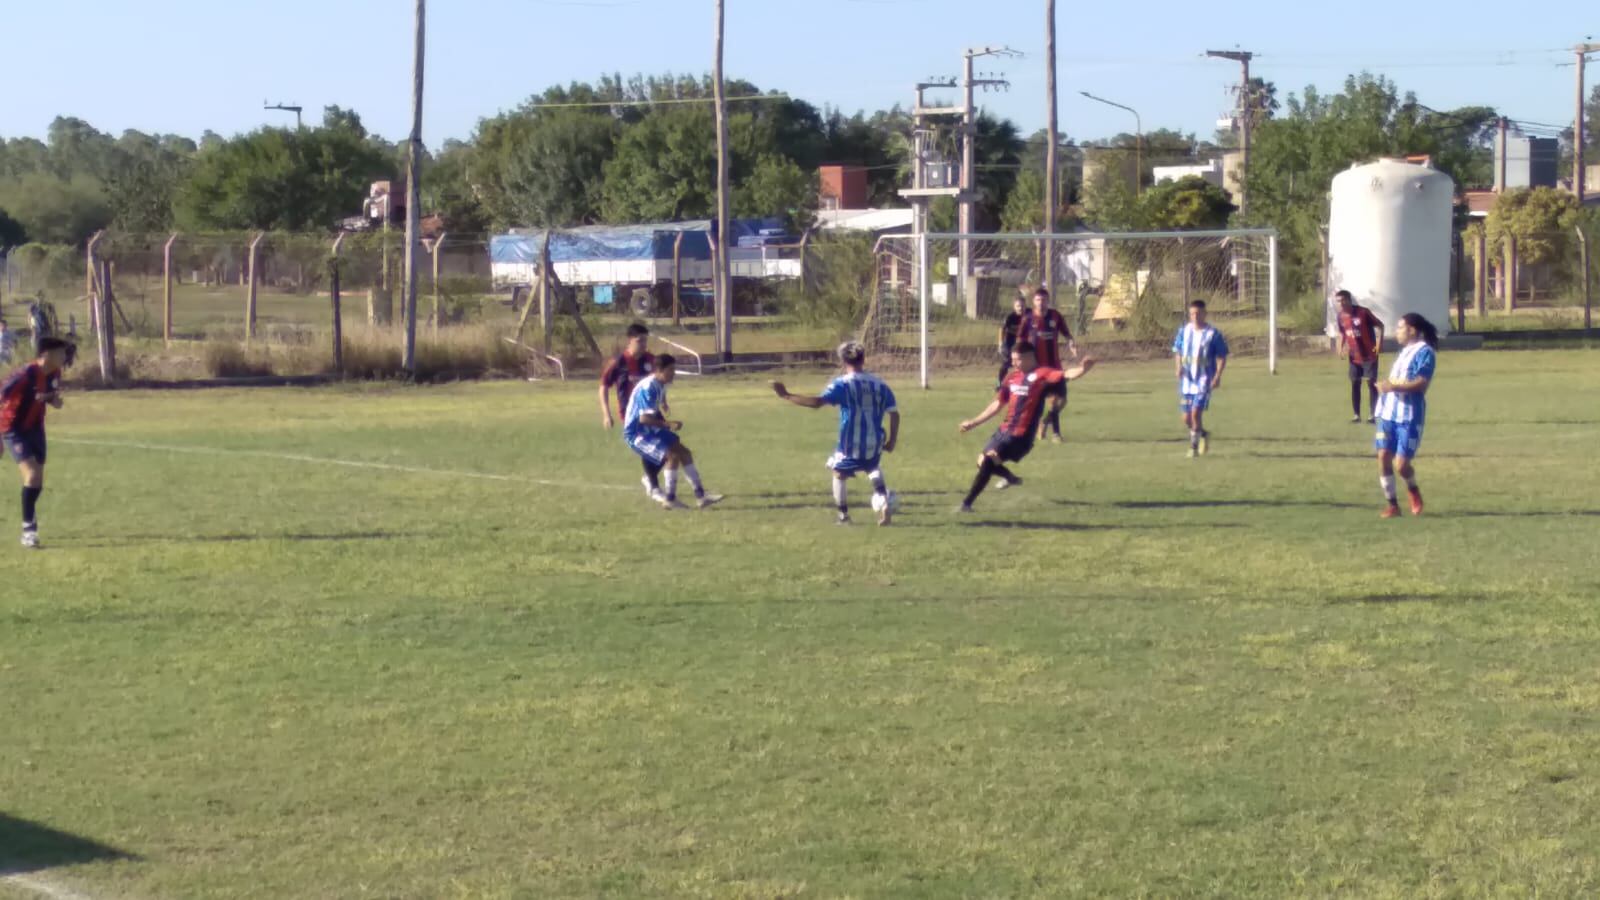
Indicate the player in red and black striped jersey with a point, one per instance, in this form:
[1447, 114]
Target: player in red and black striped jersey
[1046, 329]
[1023, 396]
[23, 399]
[633, 365]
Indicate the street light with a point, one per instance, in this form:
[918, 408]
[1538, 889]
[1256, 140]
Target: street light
[1138, 146]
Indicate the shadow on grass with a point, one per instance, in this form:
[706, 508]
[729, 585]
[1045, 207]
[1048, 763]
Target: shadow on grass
[30, 847]
[1247, 504]
[298, 537]
[1386, 599]
[1509, 514]
[1019, 525]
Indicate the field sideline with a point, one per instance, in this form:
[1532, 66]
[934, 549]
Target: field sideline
[431, 642]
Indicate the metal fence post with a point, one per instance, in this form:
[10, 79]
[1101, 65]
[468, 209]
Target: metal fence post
[337, 302]
[166, 290]
[924, 291]
[1588, 277]
[250, 289]
[1272, 303]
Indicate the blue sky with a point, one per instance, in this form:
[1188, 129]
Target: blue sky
[187, 65]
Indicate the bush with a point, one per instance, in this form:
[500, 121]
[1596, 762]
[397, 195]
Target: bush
[840, 278]
[229, 359]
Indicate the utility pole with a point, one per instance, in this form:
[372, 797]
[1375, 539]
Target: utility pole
[923, 119]
[287, 107]
[969, 142]
[413, 192]
[722, 282]
[1583, 51]
[1047, 264]
[1247, 114]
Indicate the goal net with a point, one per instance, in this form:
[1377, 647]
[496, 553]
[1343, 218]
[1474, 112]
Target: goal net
[1123, 294]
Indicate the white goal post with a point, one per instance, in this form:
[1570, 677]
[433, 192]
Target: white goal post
[1241, 249]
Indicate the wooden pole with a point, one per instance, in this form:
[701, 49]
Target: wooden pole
[1480, 276]
[438, 310]
[108, 327]
[91, 278]
[547, 308]
[413, 192]
[722, 282]
[1588, 277]
[1051, 177]
[166, 290]
[677, 281]
[250, 287]
[336, 301]
[1578, 125]
[1508, 274]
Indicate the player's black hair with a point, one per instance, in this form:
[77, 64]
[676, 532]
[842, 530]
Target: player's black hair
[1198, 304]
[665, 361]
[1430, 334]
[52, 343]
[1344, 295]
[637, 329]
[1023, 347]
[1041, 292]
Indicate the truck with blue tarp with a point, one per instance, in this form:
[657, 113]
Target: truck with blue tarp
[638, 265]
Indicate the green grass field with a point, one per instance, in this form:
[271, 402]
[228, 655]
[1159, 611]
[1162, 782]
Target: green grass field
[479, 665]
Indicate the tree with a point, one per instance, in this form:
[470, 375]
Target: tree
[1541, 221]
[55, 210]
[1188, 203]
[12, 234]
[447, 189]
[778, 187]
[279, 179]
[1294, 156]
[664, 167]
[543, 168]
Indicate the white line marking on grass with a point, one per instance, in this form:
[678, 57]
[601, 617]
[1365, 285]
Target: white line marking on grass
[351, 463]
[42, 887]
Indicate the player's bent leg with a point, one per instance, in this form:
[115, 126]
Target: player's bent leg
[986, 466]
[841, 496]
[32, 472]
[1409, 474]
[1391, 506]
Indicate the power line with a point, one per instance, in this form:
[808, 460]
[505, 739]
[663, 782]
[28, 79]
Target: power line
[753, 98]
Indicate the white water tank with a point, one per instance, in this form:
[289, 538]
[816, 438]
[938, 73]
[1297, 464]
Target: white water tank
[1389, 241]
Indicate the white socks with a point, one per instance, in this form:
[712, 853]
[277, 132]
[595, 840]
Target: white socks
[694, 479]
[672, 482]
[1387, 483]
[841, 491]
[878, 486]
[1411, 483]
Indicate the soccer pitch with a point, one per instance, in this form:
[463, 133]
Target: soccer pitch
[469, 660]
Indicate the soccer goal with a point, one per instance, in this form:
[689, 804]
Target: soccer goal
[1123, 293]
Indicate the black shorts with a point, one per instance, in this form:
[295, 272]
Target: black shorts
[25, 445]
[1367, 371]
[1009, 447]
[1059, 389]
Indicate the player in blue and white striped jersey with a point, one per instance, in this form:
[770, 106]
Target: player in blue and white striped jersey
[863, 400]
[649, 433]
[1403, 407]
[1201, 354]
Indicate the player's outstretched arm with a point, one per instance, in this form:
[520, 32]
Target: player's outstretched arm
[1079, 370]
[987, 414]
[808, 402]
